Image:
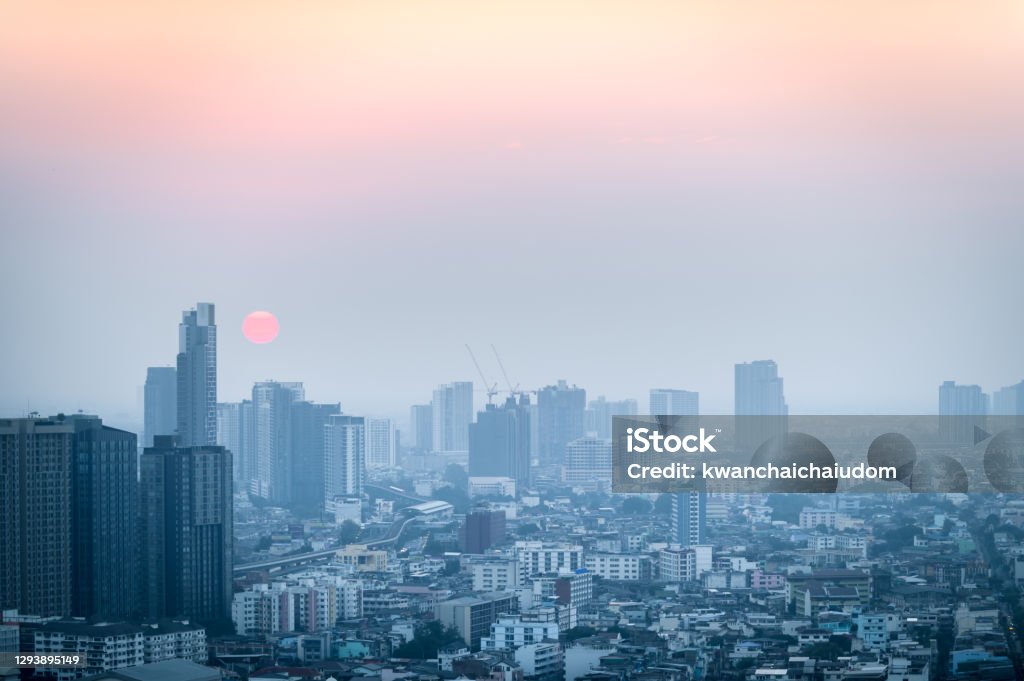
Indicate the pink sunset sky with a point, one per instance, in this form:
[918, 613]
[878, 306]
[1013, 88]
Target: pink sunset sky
[395, 179]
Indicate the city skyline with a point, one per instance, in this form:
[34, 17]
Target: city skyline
[134, 419]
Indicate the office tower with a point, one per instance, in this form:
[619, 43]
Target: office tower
[1009, 401]
[600, 412]
[105, 503]
[499, 442]
[35, 516]
[670, 402]
[197, 377]
[452, 412]
[760, 403]
[380, 443]
[344, 456]
[689, 518]
[186, 538]
[560, 420]
[421, 426]
[481, 530]
[236, 432]
[271, 407]
[961, 409]
[68, 517]
[307, 455]
[160, 396]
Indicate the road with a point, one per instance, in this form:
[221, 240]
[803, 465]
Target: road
[323, 556]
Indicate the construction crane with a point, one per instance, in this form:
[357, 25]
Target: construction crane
[513, 391]
[492, 388]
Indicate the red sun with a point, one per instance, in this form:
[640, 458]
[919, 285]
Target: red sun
[260, 327]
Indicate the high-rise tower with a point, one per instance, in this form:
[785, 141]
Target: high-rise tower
[197, 377]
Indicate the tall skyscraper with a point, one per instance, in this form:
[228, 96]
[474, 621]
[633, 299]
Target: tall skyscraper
[671, 402]
[105, 503]
[421, 427]
[1009, 401]
[68, 517]
[271, 404]
[760, 403]
[160, 398]
[236, 432]
[344, 456]
[308, 420]
[961, 408]
[186, 538]
[600, 412]
[197, 377]
[380, 443]
[452, 412]
[689, 518]
[35, 515]
[560, 420]
[499, 442]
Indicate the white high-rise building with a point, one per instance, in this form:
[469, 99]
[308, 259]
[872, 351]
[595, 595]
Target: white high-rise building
[452, 412]
[344, 456]
[380, 443]
[236, 433]
[271, 405]
[588, 463]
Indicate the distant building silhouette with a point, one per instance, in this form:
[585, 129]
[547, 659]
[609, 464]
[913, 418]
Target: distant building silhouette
[452, 412]
[271, 404]
[308, 421]
[421, 427]
[598, 417]
[344, 456]
[1009, 401]
[236, 432]
[672, 402]
[560, 420]
[187, 535]
[961, 409]
[759, 393]
[499, 442]
[197, 377]
[160, 403]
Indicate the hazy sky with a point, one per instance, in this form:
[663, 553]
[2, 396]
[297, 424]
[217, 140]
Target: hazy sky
[623, 194]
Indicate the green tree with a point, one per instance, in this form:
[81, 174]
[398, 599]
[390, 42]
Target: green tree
[636, 506]
[430, 636]
[349, 532]
[456, 476]
[528, 530]
[458, 498]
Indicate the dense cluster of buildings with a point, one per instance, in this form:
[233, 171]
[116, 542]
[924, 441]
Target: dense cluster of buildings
[282, 539]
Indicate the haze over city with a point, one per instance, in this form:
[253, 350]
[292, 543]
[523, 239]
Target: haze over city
[625, 197]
